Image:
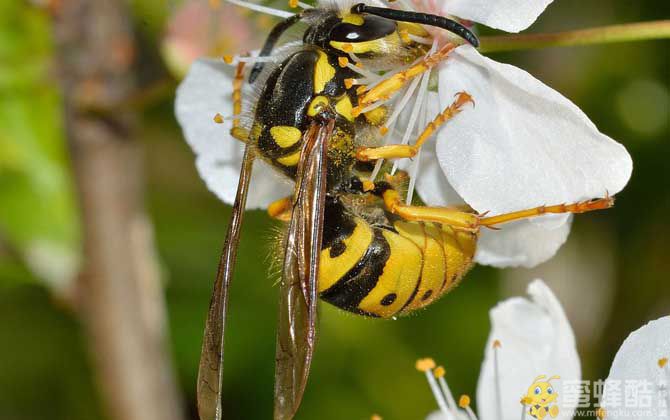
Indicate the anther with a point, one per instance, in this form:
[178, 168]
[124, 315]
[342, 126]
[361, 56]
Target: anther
[368, 186]
[464, 403]
[424, 365]
[347, 48]
[292, 4]
[496, 344]
[342, 61]
[228, 59]
[383, 130]
[348, 83]
[439, 372]
[218, 118]
[375, 417]
[361, 89]
[404, 35]
[662, 362]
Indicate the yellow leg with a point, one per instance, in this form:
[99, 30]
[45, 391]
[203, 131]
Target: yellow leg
[397, 151]
[459, 219]
[281, 209]
[445, 215]
[391, 85]
[581, 207]
[238, 132]
[238, 81]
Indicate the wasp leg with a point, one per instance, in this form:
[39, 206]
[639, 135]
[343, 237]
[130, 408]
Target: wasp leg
[580, 207]
[398, 151]
[445, 215]
[238, 132]
[394, 83]
[281, 209]
[459, 219]
[238, 81]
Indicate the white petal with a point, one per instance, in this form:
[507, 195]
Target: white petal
[431, 184]
[508, 15]
[221, 178]
[520, 243]
[523, 145]
[536, 339]
[637, 386]
[206, 91]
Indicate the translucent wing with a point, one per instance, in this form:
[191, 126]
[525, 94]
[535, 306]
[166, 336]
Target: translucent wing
[211, 361]
[206, 91]
[296, 331]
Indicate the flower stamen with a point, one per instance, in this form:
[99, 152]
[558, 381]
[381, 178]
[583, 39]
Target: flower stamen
[663, 384]
[496, 375]
[261, 8]
[426, 366]
[444, 387]
[420, 39]
[464, 403]
[403, 101]
[236, 59]
[221, 119]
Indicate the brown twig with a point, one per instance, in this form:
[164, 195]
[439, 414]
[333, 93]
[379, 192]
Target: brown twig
[119, 291]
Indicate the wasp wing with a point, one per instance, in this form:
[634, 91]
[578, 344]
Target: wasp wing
[211, 361]
[296, 331]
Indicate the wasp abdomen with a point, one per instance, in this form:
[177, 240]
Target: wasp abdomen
[390, 270]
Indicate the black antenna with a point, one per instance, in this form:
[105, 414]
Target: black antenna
[270, 42]
[422, 18]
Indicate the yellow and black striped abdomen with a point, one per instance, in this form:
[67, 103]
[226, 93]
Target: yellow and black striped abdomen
[383, 272]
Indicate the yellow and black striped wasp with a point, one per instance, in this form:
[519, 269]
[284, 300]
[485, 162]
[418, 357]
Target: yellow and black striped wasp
[349, 239]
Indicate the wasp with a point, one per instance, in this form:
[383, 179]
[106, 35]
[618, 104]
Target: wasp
[350, 239]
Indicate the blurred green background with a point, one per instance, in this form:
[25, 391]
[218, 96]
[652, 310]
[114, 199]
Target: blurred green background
[620, 257]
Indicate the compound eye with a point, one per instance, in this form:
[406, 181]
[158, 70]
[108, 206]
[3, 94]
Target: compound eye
[373, 27]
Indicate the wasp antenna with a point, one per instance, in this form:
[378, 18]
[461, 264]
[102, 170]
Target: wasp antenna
[271, 41]
[422, 18]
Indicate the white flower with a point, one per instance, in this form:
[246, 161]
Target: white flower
[533, 337]
[638, 385]
[523, 145]
[529, 338]
[206, 91]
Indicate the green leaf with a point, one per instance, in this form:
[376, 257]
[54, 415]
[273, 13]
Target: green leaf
[37, 210]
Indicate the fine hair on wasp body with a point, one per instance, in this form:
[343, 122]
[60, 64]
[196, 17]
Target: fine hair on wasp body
[378, 257]
[327, 111]
[372, 262]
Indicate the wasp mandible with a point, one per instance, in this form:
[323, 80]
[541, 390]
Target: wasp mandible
[317, 113]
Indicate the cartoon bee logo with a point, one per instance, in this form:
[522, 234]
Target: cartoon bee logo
[541, 398]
